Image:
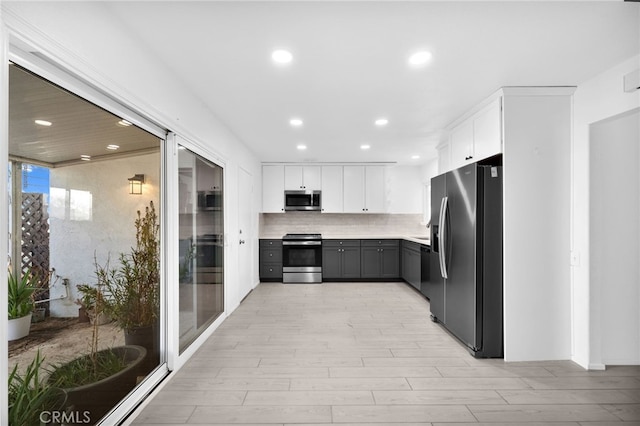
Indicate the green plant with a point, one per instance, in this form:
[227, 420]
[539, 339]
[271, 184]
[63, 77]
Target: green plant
[20, 294]
[132, 290]
[95, 365]
[29, 396]
[88, 369]
[85, 300]
[90, 297]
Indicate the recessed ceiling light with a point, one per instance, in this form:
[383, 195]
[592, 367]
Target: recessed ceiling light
[415, 157]
[301, 147]
[419, 58]
[85, 157]
[281, 56]
[365, 147]
[296, 122]
[113, 147]
[124, 123]
[382, 122]
[43, 123]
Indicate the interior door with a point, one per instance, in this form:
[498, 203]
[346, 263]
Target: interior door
[245, 232]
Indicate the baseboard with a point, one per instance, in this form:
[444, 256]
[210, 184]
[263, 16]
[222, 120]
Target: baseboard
[597, 367]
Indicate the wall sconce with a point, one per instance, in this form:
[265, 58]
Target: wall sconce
[136, 184]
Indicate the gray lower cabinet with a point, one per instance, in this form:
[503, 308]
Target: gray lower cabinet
[380, 259]
[425, 270]
[411, 263]
[270, 260]
[340, 259]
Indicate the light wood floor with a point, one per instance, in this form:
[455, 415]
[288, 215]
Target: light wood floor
[367, 353]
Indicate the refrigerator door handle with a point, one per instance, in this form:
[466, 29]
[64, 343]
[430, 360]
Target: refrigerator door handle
[444, 205]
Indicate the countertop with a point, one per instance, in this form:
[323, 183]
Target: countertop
[415, 238]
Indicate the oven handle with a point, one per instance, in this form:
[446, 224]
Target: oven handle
[302, 243]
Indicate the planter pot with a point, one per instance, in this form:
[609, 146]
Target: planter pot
[100, 397]
[147, 337]
[83, 316]
[18, 328]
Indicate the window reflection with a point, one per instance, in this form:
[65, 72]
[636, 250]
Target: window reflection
[71, 204]
[201, 245]
[58, 203]
[80, 205]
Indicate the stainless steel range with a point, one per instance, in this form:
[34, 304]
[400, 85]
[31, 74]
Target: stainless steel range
[302, 258]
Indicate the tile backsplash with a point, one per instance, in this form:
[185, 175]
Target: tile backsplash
[275, 225]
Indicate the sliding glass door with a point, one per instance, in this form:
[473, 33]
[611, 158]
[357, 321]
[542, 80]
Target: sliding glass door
[200, 245]
[85, 216]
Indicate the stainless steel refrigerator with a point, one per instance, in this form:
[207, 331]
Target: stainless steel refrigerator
[466, 259]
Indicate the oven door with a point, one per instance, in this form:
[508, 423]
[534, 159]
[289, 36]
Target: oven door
[302, 261]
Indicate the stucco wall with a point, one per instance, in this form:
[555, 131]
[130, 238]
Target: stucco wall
[104, 232]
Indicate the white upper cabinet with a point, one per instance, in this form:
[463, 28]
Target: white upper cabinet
[374, 189]
[364, 189]
[272, 189]
[476, 137]
[461, 142]
[332, 191]
[302, 178]
[444, 157]
[487, 131]
[354, 189]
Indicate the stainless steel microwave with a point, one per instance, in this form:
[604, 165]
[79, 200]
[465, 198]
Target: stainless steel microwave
[209, 200]
[302, 201]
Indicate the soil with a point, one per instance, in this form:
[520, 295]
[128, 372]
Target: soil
[60, 340]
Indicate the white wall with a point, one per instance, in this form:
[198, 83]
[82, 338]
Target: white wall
[404, 189]
[428, 170]
[110, 228]
[536, 163]
[615, 235]
[597, 99]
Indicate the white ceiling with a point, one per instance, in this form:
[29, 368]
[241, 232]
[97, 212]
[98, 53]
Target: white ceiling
[350, 64]
[78, 127]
